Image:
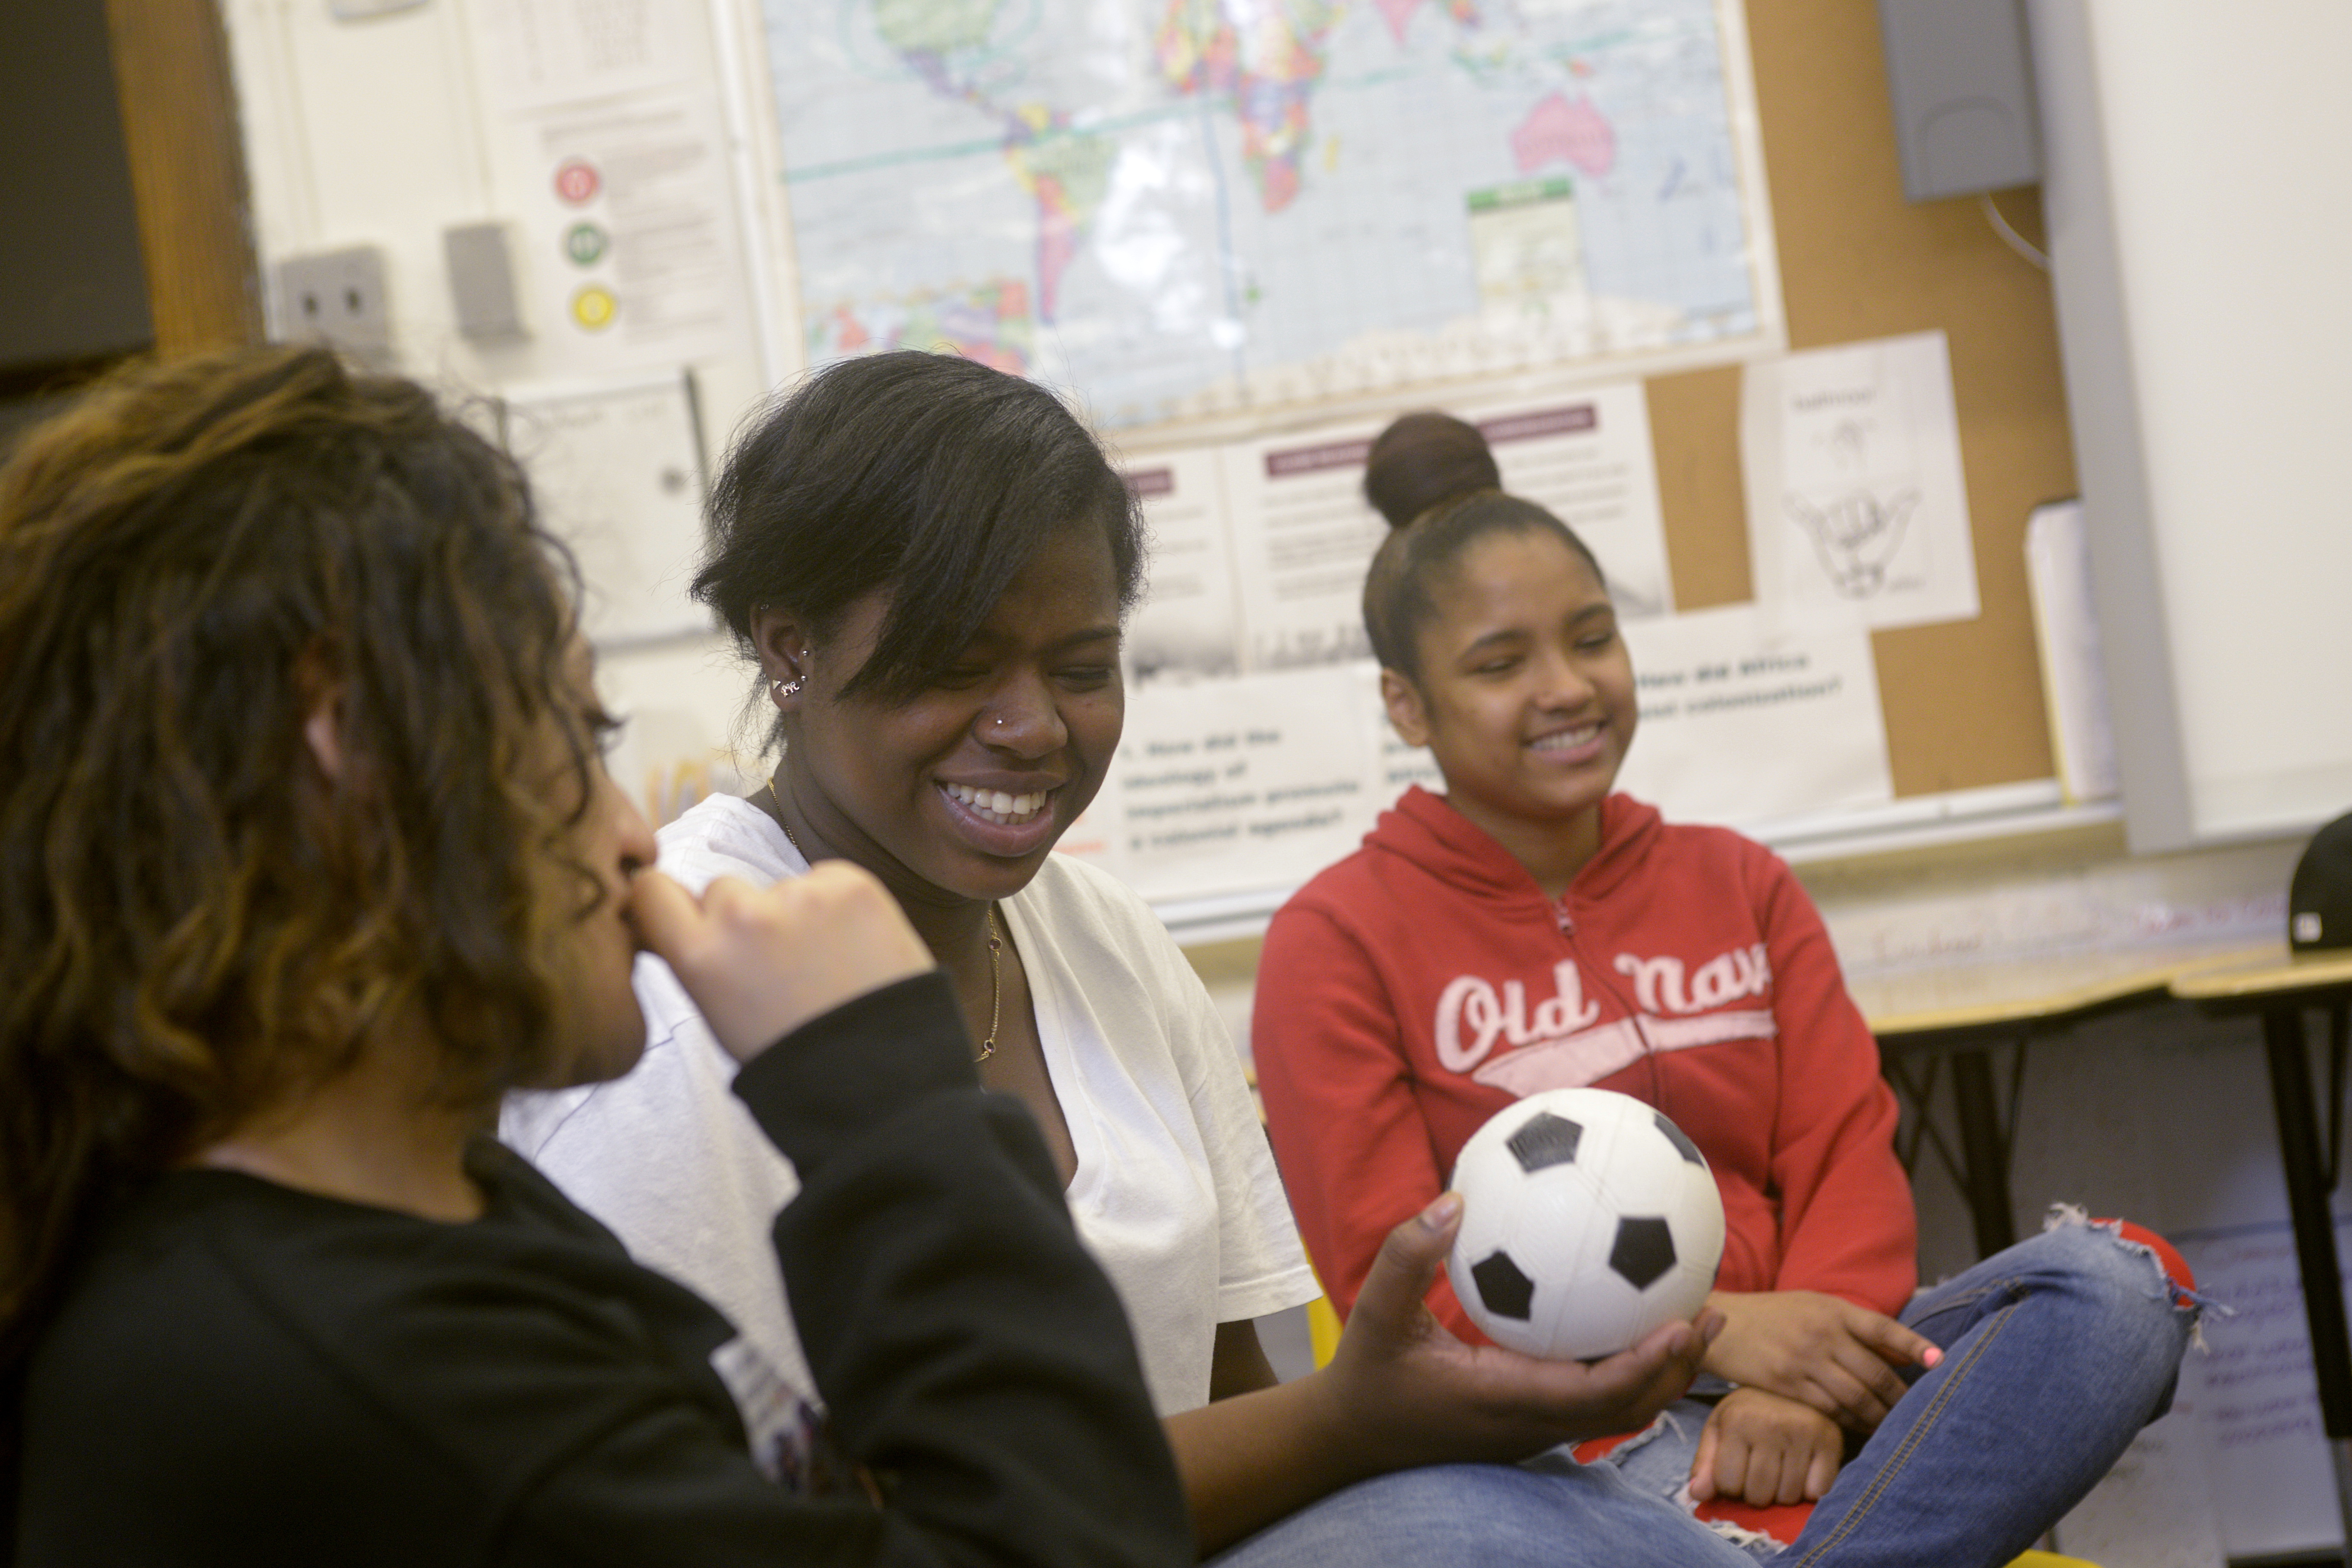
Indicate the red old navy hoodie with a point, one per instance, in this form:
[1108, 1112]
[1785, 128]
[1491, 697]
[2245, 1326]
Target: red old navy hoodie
[1417, 987]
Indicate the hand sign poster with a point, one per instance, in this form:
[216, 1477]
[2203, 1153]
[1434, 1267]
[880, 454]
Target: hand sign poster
[1854, 492]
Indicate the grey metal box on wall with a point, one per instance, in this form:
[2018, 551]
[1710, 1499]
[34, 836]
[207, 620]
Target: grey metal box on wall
[1962, 85]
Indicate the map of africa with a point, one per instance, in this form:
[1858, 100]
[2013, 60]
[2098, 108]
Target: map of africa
[1185, 208]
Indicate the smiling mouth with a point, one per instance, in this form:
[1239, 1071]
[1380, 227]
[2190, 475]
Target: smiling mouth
[995, 806]
[1566, 739]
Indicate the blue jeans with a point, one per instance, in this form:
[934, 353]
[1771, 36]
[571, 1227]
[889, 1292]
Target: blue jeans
[2056, 1353]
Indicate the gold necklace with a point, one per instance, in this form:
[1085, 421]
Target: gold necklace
[996, 942]
[995, 987]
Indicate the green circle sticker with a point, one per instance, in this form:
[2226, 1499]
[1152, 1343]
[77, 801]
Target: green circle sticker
[584, 243]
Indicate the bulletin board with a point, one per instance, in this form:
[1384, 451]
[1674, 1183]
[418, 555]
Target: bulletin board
[1253, 750]
[1963, 699]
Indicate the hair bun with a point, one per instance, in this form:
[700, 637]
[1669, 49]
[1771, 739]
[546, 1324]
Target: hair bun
[1423, 460]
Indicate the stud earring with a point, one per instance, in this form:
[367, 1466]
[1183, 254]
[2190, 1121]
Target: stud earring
[784, 689]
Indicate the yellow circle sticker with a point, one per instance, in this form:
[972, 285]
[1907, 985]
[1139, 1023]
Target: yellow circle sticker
[595, 307]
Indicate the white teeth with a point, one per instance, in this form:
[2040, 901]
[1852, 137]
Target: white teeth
[1566, 739]
[995, 806]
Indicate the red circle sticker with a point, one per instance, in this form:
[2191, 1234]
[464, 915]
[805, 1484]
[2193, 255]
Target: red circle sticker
[576, 181]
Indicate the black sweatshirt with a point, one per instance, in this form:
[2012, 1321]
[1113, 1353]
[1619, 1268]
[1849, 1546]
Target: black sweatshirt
[247, 1375]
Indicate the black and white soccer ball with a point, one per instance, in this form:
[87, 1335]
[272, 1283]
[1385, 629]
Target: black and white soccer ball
[1588, 1220]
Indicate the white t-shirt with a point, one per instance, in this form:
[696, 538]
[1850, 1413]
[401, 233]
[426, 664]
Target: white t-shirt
[1175, 1191]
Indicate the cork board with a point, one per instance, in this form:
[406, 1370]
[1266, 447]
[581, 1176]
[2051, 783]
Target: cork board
[1963, 699]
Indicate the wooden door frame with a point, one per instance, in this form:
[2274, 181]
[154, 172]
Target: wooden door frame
[187, 172]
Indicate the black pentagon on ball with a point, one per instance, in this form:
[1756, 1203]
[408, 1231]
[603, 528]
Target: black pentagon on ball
[1679, 1139]
[1643, 1252]
[1544, 1139]
[1506, 1292]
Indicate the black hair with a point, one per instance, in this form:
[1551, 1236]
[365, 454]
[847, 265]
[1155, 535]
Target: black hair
[1423, 460]
[923, 476]
[1434, 477]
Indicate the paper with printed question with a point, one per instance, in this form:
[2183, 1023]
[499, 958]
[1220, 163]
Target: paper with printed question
[1219, 787]
[1855, 496]
[1748, 719]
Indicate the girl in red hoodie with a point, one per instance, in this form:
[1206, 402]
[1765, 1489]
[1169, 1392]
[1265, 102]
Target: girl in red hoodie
[1528, 930]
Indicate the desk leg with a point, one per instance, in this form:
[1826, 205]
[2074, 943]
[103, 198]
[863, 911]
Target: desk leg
[1984, 1147]
[2314, 1244]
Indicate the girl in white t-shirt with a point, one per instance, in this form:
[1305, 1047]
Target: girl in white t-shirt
[930, 562]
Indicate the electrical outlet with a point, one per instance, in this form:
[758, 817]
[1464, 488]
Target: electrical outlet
[336, 298]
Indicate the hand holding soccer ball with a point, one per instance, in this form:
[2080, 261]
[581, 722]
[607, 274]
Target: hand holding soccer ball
[1589, 1220]
[1401, 1391]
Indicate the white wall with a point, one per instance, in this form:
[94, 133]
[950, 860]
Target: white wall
[2200, 220]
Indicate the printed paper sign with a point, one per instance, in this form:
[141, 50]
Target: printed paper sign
[1855, 498]
[1743, 720]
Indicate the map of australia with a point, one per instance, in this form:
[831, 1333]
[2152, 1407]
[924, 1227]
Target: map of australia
[1187, 207]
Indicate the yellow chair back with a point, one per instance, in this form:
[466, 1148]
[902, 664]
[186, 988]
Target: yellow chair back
[1322, 1329]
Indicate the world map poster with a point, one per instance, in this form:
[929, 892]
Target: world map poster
[1180, 208]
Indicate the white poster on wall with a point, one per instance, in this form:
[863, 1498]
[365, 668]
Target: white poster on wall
[2252, 1394]
[2073, 671]
[544, 52]
[1258, 782]
[1746, 718]
[1188, 627]
[1856, 496]
[1587, 460]
[1303, 538]
[617, 472]
[630, 247]
[633, 255]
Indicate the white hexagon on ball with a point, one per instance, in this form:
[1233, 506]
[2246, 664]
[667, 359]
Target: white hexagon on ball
[1588, 1220]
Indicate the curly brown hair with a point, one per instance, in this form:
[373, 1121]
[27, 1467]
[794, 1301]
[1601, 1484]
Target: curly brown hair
[197, 922]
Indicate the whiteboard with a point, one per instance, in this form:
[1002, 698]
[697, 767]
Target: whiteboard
[2201, 216]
